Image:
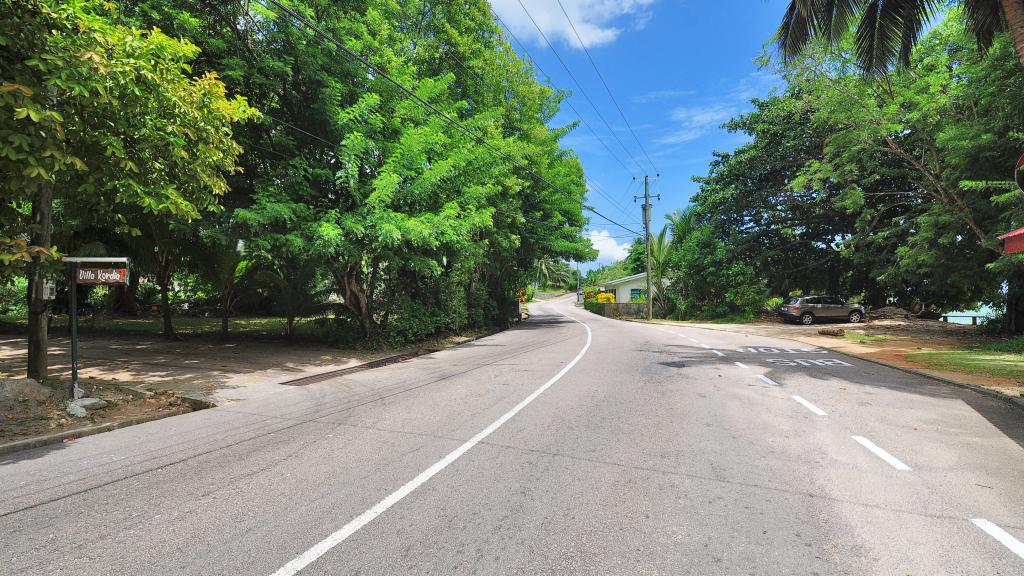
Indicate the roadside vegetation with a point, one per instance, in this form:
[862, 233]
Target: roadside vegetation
[1004, 358]
[884, 184]
[250, 169]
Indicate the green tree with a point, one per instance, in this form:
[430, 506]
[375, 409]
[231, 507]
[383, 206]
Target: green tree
[886, 32]
[106, 117]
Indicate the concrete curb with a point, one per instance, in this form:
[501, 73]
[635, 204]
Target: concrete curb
[59, 437]
[378, 363]
[1012, 400]
[202, 404]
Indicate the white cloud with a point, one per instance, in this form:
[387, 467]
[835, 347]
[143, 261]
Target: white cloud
[757, 84]
[660, 96]
[696, 121]
[693, 122]
[597, 21]
[608, 248]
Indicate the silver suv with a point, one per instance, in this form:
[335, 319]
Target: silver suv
[809, 309]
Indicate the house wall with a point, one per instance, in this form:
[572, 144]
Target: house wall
[622, 291]
[1013, 245]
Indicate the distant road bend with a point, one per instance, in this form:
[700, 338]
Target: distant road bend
[572, 444]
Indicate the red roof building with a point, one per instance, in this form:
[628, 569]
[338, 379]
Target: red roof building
[1013, 241]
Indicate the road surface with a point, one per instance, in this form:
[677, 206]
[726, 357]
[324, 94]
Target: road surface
[573, 444]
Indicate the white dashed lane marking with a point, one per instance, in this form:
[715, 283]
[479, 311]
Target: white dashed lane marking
[810, 406]
[741, 364]
[1004, 538]
[717, 352]
[767, 379]
[889, 458]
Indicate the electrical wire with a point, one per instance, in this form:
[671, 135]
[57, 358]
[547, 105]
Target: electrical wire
[578, 85]
[606, 88]
[344, 50]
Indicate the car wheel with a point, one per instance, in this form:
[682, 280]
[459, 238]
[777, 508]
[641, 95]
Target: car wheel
[807, 318]
[856, 317]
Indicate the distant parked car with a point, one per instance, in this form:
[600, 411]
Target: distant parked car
[809, 309]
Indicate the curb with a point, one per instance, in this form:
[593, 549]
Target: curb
[59, 437]
[1012, 400]
[378, 363]
[196, 404]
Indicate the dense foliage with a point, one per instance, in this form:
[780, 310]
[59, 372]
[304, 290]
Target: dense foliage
[884, 188]
[353, 201]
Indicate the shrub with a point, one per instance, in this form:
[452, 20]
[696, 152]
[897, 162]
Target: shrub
[12, 297]
[593, 305]
[1015, 345]
[606, 298]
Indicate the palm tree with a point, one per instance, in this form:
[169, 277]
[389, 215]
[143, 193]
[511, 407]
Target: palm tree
[661, 245]
[552, 271]
[887, 30]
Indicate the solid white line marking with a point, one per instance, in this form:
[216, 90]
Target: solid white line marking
[741, 364]
[810, 406]
[881, 453]
[1015, 546]
[767, 379]
[717, 352]
[322, 547]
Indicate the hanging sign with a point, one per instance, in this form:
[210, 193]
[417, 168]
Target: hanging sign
[102, 276]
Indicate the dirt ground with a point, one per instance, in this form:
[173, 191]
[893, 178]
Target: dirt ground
[27, 417]
[209, 371]
[215, 372]
[902, 337]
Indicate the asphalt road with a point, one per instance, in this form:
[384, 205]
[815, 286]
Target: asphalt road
[573, 444]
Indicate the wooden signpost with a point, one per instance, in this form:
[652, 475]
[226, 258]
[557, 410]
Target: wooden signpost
[79, 275]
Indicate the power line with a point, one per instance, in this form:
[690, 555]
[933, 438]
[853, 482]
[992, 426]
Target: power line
[522, 46]
[378, 72]
[622, 207]
[578, 85]
[606, 88]
[619, 204]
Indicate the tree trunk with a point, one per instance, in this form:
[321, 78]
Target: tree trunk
[1014, 12]
[38, 343]
[125, 296]
[1013, 323]
[163, 279]
[347, 276]
[225, 313]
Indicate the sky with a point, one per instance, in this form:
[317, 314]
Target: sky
[677, 69]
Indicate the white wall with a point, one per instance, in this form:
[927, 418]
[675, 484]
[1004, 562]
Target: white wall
[622, 290]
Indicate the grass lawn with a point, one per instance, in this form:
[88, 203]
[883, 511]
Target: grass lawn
[153, 325]
[858, 337]
[974, 361]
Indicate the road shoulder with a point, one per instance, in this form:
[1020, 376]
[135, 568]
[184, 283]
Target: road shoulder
[1001, 388]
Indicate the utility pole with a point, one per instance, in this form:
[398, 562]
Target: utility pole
[579, 279]
[647, 241]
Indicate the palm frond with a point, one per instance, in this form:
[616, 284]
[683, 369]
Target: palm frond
[984, 19]
[879, 34]
[795, 31]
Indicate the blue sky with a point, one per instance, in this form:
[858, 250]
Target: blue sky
[677, 68]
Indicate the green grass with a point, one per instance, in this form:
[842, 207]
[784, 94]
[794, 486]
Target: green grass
[1011, 345]
[858, 337]
[730, 319]
[153, 325]
[973, 361]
